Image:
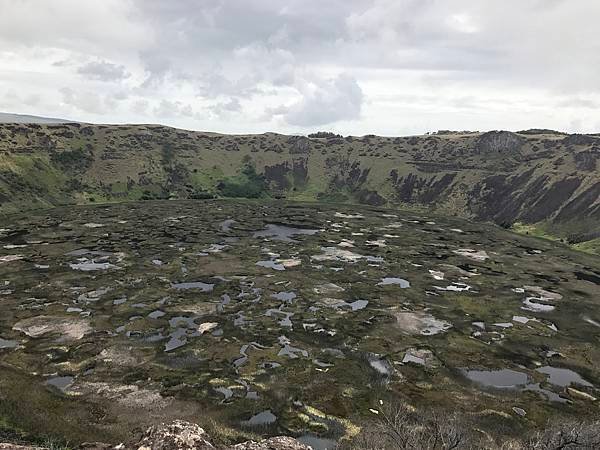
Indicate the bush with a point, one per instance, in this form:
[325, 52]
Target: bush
[73, 160]
[566, 435]
[324, 134]
[150, 195]
[248, 184]
[167, 155]
[200, 194]
[399, 426]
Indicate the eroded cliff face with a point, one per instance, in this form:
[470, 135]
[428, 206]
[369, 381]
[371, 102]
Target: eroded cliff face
[531, 176]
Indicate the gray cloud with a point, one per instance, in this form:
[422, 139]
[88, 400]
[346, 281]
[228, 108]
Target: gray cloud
[170, 109]
[578, 102]
[328, 101]
[90, 101]
[103, 71]
[85, 101]
[233, 105]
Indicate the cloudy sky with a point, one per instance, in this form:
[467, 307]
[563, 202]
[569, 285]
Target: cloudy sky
[389, 67]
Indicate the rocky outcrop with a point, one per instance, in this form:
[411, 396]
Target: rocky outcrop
[587, 160]
[276, 443]
[70, 330]
[414, 188]
[580, 139]
[298, 145]
[181, 435]
[499, 142]
[178, 435]
[585, 206]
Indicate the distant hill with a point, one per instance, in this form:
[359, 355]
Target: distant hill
[24, 118]
[539, 177]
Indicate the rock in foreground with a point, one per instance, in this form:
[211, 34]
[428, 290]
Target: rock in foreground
[181, 435]
[275, 443]
[177, 435]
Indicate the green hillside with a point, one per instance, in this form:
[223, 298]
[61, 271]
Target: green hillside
[546, 180]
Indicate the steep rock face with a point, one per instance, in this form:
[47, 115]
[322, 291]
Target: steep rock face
[522, 197]
[298, 144]
[580, 139]
[287, 175]
[350, 175]
[501, 198]
[587, 160]
[503, 142]
[277, 174]
[551, 199]
[413, 188]
[586, 205]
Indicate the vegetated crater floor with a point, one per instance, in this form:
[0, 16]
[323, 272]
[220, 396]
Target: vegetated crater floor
[286, 318]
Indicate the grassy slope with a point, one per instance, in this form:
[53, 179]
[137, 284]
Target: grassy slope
[129, 163]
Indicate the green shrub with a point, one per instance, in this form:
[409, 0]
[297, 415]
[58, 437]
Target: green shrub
[248, 184]
[200, 194]
[73, 160]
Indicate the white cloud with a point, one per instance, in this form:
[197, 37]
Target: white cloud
[85, 101]
[324, 102]
[170, 109]
[463, 23]
[140, 107]
[226, 108]
[97, 27]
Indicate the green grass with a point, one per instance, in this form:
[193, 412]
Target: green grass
[73, 160]
[592, 246]
[539, 230]
[206, 179]
[247, 184]
[535, 230]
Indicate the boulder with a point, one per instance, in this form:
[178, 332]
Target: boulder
[178, 435]
[576, 393]
[67, 328]
[181, 435]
